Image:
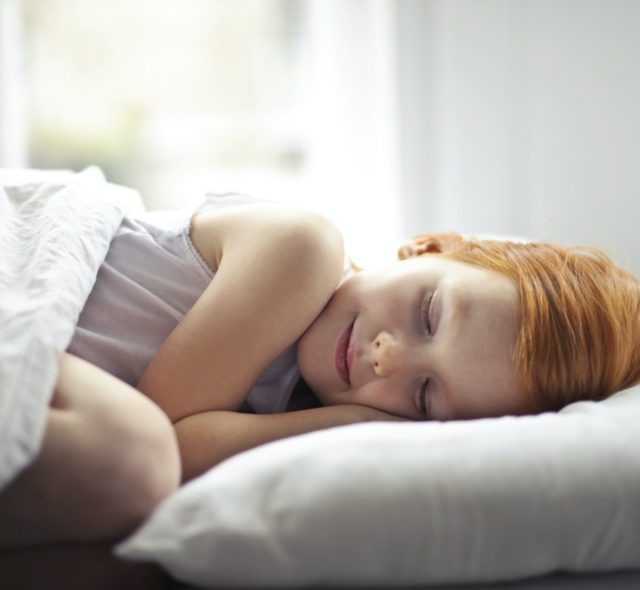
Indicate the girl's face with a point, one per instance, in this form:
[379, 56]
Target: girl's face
[425, 338]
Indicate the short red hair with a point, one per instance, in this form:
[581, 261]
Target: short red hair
[579, 336]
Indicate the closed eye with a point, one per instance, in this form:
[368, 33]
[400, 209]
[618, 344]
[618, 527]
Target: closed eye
[426, 311]
[424, 401]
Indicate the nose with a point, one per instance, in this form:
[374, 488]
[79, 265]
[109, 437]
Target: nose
[392, 354]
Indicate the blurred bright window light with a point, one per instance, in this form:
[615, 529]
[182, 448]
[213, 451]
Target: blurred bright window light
[179, 97]
[169, 97]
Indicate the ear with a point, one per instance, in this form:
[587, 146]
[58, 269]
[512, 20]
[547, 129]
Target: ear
[430, 243]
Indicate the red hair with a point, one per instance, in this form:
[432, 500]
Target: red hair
[579, 335]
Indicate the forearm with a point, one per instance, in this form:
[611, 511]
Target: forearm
[208, 438]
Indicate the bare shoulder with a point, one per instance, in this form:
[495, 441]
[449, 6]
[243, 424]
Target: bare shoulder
[240, 231]
[276, 268]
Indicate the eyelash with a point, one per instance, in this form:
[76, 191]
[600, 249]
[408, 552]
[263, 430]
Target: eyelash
[426, 305]
[423, 399]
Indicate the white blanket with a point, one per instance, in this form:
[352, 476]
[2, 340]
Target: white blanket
[55, 230]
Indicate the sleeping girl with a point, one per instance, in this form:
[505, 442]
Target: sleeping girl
[209, 334]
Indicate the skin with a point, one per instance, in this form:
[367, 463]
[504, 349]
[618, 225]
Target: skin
[463, 344]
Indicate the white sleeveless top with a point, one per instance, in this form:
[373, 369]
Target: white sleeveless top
[151, 277]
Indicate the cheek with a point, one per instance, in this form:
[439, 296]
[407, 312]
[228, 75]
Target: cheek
[316, 347]
[349, 296]
[373, 394]
[387, 396]
[312, 348]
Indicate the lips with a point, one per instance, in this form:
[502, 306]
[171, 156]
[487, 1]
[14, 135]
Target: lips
[342, 356]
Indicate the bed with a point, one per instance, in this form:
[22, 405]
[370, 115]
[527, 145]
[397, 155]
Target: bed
[612, 581]
[548, 501]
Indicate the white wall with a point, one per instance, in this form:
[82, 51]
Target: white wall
[417, 57]
[583, 123]
[531, 120]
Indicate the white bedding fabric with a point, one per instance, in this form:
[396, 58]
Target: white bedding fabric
[55, 229]
[372, 504]
[394, 504]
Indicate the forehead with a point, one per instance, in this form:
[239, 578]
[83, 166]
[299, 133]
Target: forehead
[479, 373]
[480, 327]
[476, 289]
[472, 284]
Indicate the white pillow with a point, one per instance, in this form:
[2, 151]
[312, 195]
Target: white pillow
[402, 503]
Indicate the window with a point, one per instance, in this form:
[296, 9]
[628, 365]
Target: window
[171, 98]
[285, 99]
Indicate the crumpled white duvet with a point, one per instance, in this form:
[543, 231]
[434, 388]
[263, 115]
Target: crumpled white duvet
[55, 230]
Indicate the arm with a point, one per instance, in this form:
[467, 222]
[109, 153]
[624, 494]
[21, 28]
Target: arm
[276, 269]
[211, 437]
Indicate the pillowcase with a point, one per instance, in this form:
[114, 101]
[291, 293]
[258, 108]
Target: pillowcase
[406, 503]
